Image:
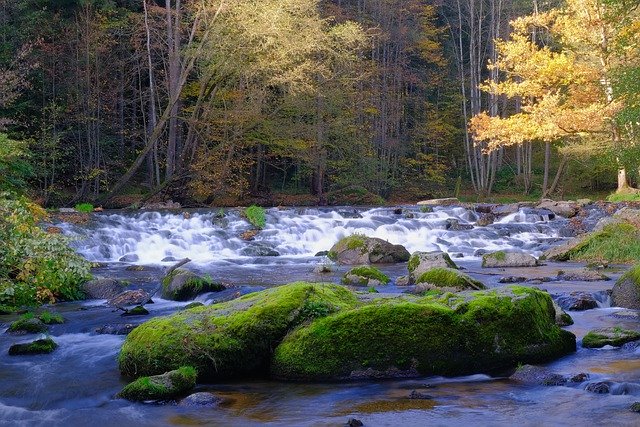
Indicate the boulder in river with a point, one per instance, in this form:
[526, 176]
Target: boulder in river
[42, 346]
[202, 399]
[626, 291]
[115, 329]
[582, 276]
[239, 335]
[183, 285]
[577, 301]
[615, 336]
[129, 298]
[447, 279]
[565, 209]
[456, 334]
[448, 201]
[365, 276]
[537, 375]
[27, 326]
[102, 288]
[357, 249]
[505, 259]
[421, 262]
[167, 386]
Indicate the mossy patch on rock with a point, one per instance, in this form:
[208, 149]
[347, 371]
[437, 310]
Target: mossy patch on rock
[609, 336]
[365, 276]
[358, 249]
[161, 387]
[421, 262]
[183, 285]
[626, 291]
[453, 334]
[49, 318]
[27, 325]
[503, 259]
[43, 346]
[449, 278]
[229, 339]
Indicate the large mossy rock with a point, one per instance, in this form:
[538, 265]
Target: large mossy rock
[505, 259]
[42, 346]
[357, 250]
[609, 336]
[161, 387]
[456, 334]
[364, 276]
[626, 291]
[184, 285]
[420, 262]
[448, 279]
[27, 326]
[229, 339]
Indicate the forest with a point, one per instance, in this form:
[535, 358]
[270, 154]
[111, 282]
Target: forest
[220, 102]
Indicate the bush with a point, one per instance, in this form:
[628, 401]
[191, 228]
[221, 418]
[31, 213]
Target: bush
[35, 266]
[14, 170]
[84, 207]
[256, 216]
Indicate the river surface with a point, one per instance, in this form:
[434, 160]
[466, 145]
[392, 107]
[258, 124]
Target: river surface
[76, 384]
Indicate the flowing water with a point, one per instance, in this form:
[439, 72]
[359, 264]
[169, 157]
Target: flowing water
[76, 384]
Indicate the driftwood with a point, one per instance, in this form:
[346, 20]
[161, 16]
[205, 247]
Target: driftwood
[177, 265]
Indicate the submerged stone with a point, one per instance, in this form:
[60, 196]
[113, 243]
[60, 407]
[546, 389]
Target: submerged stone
[609, 336]
[202, 399]
[42, 346]
[455, 334]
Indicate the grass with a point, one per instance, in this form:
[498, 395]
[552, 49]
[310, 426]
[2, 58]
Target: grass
[616, 243]
[84, 207]
[256, 215]
[630, 195]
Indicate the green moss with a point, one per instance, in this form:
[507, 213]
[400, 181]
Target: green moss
[449, 278]
[191, 286]
[49, 318]
[616, 243]
[43, 346]
[228, 339]
[500, 255]
[368, 272]
[609, 336]
[161, 387]
[84, 207]
[256, 215]
[479, 332]
[633, 274]
[353, 242]
[332, 255]
[413, 263]
[193, 305]
[27, 325]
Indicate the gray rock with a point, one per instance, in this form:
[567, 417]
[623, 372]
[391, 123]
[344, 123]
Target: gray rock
[582, 276]
[453, 224]
[359, 250]
[485, 219]
[67, 210]
[259, 250]
[402, 281]
[562, 318]
[202, 399]
[322, 269]
[564, 209]
[418, 395]
[129, 298]
[629, 215]
[598, 388]
[102, 288]
[576, 301]
[512, 279]
[503, 259]
[626, 291]
[129, 258]
[504, 210]
[529, 374]
[449, 201]
[421, 262]
[115, 329]
[183, 285]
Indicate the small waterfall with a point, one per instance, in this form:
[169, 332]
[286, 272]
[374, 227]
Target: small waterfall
[298, 233]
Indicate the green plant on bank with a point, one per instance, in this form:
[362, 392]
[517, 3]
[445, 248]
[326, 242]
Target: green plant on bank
[35, 267]
[84, 207]
[256, 216]
[626, 196]
[619, 243]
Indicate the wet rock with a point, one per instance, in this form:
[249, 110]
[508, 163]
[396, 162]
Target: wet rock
[129, 298]
[169, 259]
[635, 407]
[43, 346]
[410, 215]
[504, 259]
[167, 386]
[567, 232]
[364, 276]
[322, 253]
[562, 318]
[582, 276]
[529, 374]
[397, 211]
[418, 395]
[350, 214]
[402, 281]
[446, 279]
[202, 399]
[192, 305]
[626, 291]
[259, 249]
[136, 311]
[115, 329]
[357, 249]
[512, 279]
[27, 326]
[485, 219]
[388, 339]
[579, 378]
[102, 288]
[615, 337]
[354, 422]
[484, 209]
[576, 301]
[183, 285]
[598, 388]
[421, 262]
[169, 204]
[627, 314]
[452, 224]
[249, 234]
[504, 210]
[322, 269]
[564, 209]
[129, 258]
[449, 201]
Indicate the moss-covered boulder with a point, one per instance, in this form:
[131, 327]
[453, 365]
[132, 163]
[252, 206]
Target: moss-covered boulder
[609, 336]
[229, 339]
[420, 262]
[504, 259]
[183, 285]
[617, 242]
[364, 276]
[27, 325]
[161, 387]
[626, 291]
[455, 334]
[43, 346]
[448, 279]
[357, 249]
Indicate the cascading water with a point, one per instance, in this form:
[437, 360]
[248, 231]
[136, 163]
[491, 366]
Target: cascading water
[296, 234]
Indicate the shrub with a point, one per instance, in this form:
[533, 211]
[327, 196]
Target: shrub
[84, 207]
[256, 216]
[35, 266]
